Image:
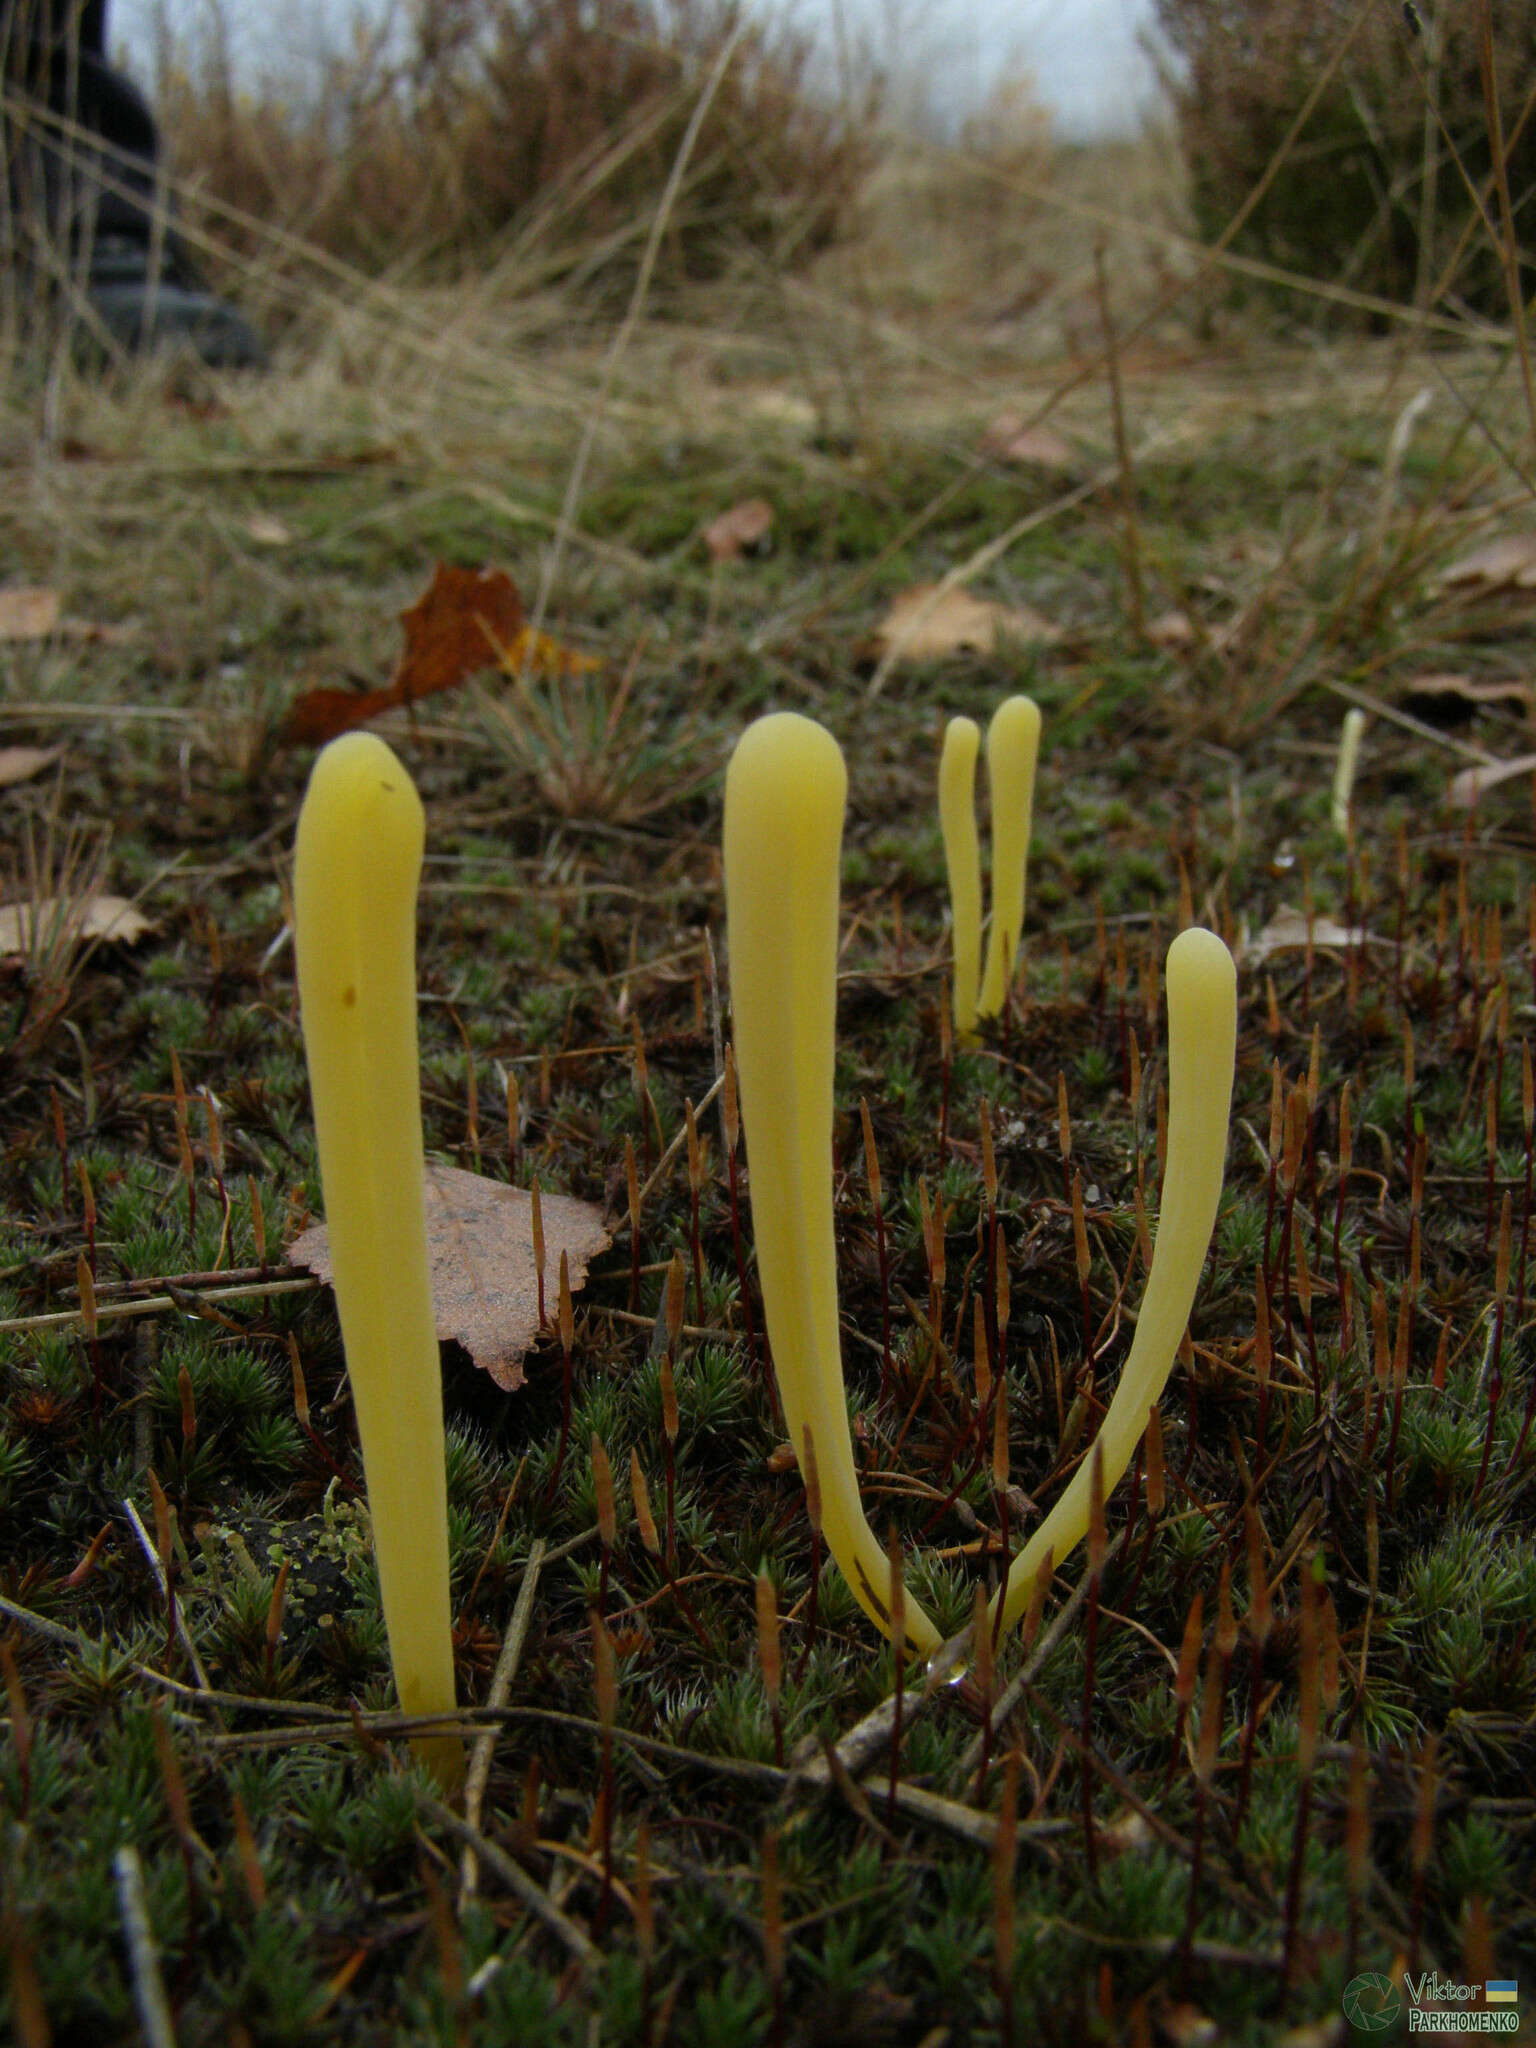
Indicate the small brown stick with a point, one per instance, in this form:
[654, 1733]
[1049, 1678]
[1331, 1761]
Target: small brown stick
[607, 1519]
[1184, 1681]
[86, 1281]
[275, 1615]
[670, 1422]
[1000, 1485]
[640, 1493]
[632, 1179]
[1495, 1350]
[768, 1656]
[567, 1317]
[1258, 1619]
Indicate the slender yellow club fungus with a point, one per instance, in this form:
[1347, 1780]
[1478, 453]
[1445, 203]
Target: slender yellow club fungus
[356, 868]
[784, 798]
[1013, 748]
[1202, 1046]
[962, 857]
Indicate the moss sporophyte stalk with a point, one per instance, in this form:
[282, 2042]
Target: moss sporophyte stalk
[785, 794]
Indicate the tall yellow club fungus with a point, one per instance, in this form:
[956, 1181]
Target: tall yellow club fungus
[1013, 749]
[1202, 1050]
[962, 857]
[784, 796]
[356, 868]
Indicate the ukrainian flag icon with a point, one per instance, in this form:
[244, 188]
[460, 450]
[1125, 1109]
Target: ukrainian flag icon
[1500, 1990]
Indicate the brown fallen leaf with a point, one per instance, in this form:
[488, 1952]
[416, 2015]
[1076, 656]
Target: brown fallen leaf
[1510, 560]
[22, 925]
[466, 620]
[744, 529]
[485, 1289]
[1472, 783]
[1436, 688]
[927, 622]
[20, 764]
[1038, 447]
[28, 612]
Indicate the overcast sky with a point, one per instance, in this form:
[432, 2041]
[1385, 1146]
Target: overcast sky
[1083, 55]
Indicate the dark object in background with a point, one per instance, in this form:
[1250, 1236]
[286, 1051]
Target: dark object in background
[80, 156]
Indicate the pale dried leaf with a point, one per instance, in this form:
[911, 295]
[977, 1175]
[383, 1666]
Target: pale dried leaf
[926, 623]
[783, 408]
[1128, 1834]
[20, 764]
[83, 918]
[485, 1289]
[744, 527]
[1433, 687]
[28, 612]
[95, 634]
[1473, 783]
[1286, 932]
[1173, 630]
[1509, 560]
[1186, 2026]
[1038, 447]
[267, 531]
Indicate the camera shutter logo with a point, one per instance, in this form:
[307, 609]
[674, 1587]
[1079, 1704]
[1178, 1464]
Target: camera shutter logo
[1372, 2002]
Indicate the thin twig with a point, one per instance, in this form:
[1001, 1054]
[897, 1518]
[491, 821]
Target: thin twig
[501, 1687]
[513, 1876]
[156, 1304]
[143, 1956]
[1004, 1705]
[146, 1544]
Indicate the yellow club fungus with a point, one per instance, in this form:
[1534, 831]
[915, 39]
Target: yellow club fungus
[1013, 748]
[962, 857]
[784, 796]
[1202, 1046]
[356, 868]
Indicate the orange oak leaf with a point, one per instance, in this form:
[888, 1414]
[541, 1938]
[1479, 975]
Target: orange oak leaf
[466, 621]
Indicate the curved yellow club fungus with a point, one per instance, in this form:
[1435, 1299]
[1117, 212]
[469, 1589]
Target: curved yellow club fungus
[356, 867]
[784, 796]
[1202, 1049]
[962, 858]
[1013, 748]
